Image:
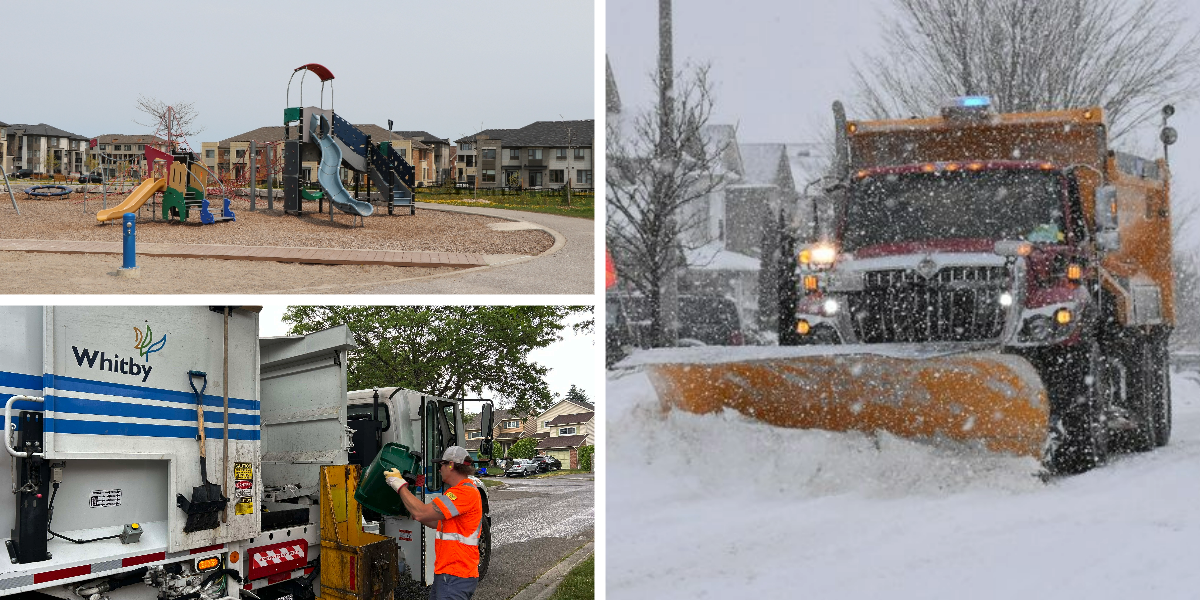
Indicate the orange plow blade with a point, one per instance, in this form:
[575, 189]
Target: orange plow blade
[991, 398]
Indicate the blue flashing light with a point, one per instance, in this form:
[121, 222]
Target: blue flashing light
[974, 102]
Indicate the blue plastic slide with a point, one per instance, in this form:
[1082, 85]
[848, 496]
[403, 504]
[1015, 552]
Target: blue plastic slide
[327, 173]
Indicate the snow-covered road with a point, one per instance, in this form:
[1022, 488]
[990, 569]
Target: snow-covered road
[705, 506]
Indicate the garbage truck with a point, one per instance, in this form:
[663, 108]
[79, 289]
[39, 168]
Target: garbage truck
[1000, 280]
[170, 453]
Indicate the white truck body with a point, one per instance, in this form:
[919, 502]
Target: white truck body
[119, 418]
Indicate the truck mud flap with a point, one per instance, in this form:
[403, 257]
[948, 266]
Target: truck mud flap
[974, 397]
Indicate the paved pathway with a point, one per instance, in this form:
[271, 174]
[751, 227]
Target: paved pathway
[321, 256]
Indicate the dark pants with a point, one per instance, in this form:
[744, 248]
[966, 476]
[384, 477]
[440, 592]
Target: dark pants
[449, 587]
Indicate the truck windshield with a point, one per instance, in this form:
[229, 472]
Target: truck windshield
[994, 205]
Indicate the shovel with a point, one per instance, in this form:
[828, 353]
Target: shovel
[204, 510]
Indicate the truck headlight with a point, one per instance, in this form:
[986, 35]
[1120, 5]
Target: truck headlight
[831, 306]
[818, 256]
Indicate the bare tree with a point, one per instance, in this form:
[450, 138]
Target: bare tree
[172, 122]
[1127, 56]
[658, 166]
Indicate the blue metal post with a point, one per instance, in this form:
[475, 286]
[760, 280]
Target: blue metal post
[130, 223]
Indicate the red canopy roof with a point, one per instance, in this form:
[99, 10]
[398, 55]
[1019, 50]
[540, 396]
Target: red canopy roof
[322, 72]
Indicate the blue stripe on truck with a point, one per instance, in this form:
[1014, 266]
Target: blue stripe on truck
[75, 384]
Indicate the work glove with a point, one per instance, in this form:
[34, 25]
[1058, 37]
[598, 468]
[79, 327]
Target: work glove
[394, 479]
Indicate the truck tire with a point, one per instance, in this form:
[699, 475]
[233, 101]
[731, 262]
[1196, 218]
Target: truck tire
[1079, 383]
[1161, 388]
[485, 547]
[1150, 399]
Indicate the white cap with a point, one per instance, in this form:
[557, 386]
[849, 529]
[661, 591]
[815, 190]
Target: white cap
[457, 454]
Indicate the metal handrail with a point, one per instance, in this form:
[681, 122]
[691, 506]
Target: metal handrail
[8, 425]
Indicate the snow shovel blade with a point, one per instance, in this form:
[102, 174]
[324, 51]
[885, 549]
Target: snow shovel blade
[990, 398]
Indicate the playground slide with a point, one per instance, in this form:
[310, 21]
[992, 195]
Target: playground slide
[327, 174]
[136, 199]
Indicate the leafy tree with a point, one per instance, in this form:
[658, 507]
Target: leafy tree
[447, 351]
[523, 448]
[1130, 57]
[577, 395]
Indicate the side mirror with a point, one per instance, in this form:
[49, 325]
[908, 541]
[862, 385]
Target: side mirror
[485, 420]
[1108, 237]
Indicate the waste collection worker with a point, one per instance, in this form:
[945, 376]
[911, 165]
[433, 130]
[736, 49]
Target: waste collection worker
[458, 518]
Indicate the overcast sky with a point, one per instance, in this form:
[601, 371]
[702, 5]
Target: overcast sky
[442, 67]
[572, 361]
[778, 66]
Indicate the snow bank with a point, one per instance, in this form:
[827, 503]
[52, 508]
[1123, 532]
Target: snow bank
[702, 506]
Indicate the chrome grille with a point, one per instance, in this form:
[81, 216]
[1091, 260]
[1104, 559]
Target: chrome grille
[955, 304]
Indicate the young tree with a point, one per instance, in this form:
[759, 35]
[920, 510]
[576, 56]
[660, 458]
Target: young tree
[447, 351]
[1128, 57]
[657, 169]
[172, 122]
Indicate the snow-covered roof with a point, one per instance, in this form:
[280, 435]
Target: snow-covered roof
[714, 257]
[764, 164]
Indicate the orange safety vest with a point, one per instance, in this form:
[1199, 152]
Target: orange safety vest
[456, 543]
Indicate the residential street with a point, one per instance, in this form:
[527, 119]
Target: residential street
[535, 524]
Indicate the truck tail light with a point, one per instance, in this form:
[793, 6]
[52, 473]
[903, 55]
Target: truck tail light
[810, 283]
[802, 327]
[1074, 272]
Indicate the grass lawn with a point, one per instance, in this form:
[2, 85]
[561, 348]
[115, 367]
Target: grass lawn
[553, 202]
[491, 482]
[580, 583]
[557, 473]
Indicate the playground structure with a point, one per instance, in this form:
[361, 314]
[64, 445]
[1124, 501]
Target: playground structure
[335, 143]
[183, 189]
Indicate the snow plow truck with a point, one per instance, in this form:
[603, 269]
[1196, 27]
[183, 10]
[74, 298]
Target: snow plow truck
[1002, 280]
[169, 453]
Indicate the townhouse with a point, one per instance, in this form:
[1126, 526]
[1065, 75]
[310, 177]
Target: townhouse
[120, 154]
[43, 148]
[544, 154]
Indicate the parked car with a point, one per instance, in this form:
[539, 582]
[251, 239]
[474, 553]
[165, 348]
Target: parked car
[91, 178]
[704, 320]
[547, 463]
[21, 174]
[522, 467]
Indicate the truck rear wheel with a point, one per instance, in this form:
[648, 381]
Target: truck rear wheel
[1080, 385]
[1151, 398]
[485, 547]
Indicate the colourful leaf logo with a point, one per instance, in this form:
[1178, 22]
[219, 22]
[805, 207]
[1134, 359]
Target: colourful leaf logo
[145, 344]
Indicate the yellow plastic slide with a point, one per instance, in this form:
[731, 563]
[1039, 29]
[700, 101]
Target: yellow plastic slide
[136, 199]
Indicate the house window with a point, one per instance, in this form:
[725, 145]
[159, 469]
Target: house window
[514, 154]
[535, 154]
[556, 176]
[560, 154]
[464, 146]
[489, 176]
[535, 178]
[583, 176]
[404, 153]
[470, 160]
[141, 147]
[474, 435]
[128, 147]
[210, 153]
[241, 153]
[459, 176]
[489, 154]
[566, 431]
[470, 180]
[511, 424]
[579, 154]
[546, 424]
[105, 147]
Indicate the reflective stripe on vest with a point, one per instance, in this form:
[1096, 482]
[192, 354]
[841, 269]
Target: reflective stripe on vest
[470, 540]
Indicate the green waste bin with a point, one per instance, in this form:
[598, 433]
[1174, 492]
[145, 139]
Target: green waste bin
[373, 491]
